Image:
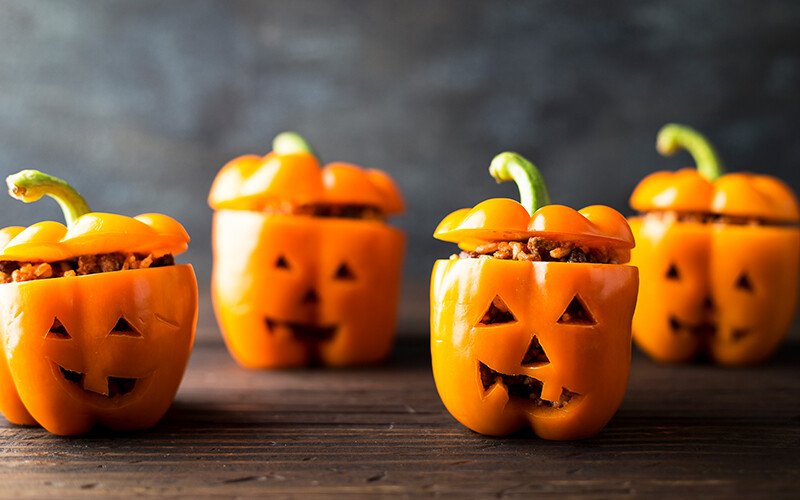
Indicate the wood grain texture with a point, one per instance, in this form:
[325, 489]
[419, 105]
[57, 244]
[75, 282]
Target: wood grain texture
[681, 431]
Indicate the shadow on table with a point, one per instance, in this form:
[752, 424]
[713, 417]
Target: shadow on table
[410, 351]
[787, 355]
[659, 420]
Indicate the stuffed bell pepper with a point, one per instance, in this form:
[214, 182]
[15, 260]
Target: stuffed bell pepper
[531, 321]
[96, 319]
[306, 268]
[719, 257]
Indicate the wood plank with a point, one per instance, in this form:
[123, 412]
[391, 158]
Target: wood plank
[697, 430]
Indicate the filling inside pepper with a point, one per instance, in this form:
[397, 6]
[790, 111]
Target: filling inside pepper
[329, 210]
[669, 216]
[538, 249]
[14, 272]
[523, 387]
[673, 138]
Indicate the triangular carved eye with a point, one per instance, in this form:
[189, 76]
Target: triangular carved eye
[58, 331]
[281, 262]
[743, 283]
[343, 272]
[123, 327]
[497, 313]
[672, 272]
[535, 355]
[577, 314]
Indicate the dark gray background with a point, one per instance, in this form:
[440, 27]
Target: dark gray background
[139, 103]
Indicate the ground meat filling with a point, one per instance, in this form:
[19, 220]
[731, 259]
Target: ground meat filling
[538, 249]
[15, 272]
[709, 218]
[329, 210]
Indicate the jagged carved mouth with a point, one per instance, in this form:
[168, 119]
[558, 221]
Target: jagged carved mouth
[117, 386]
[705, 329]
[702, 329]
[303, 332]
[524, 387]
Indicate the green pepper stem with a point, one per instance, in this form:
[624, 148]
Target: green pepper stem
[30, 185]
[287, 143]
[673, 137]
[510, 166]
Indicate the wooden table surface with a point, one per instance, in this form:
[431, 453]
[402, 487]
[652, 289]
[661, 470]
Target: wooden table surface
[697, 430]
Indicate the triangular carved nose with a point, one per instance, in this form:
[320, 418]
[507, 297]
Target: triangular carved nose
[311, 297]
[577, 314]
[743, 283]
[124, 327]
[498, 312]
[535, 355]
[672, 272]
[343, 272]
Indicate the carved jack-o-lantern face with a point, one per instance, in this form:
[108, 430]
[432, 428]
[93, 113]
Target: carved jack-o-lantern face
[305, 267]
[96, 321]
[95, 383]
[519, 344]
[289, 290]
[531, 323]
[108, 348]
[719, 257]
[725, 291]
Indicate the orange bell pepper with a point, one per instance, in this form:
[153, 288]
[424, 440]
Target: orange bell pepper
[305, 267]
[107, 348]
[719, 257]
[532, 344]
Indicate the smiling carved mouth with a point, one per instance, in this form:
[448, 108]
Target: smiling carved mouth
[524, 387]
[703, 329]
[303, 332]
[117, 386]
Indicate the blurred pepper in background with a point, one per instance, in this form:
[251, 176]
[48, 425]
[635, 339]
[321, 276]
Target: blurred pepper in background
[306, 269]
[719, 257]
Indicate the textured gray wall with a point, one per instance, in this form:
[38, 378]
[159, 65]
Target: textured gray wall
[139, 103]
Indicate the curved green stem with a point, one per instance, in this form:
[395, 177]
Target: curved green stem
[510, 166]
[30, 185]
[287, 143]
[673, 137]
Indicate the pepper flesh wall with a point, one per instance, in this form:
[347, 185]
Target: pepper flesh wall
[520, 342]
